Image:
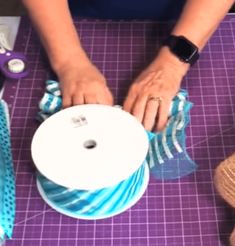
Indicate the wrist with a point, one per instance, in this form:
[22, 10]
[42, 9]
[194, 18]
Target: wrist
[70, 58]
[166, 57]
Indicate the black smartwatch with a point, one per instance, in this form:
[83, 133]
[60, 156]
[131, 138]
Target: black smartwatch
[182, 48]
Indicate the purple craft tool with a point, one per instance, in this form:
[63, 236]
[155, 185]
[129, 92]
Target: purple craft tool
[13, 65]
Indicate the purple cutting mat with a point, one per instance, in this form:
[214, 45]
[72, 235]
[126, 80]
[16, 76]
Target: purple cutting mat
[185, 212]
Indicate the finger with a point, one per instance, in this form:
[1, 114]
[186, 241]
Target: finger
[133, 92]
[162, 117]
[106, 99]
[129, 102]
[150, 114]
[78, 99]
[90, 99]
[66, 100]
[138, 108]
[67, 96]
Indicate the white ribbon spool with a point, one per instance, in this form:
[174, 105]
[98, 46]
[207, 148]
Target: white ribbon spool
[91, 148]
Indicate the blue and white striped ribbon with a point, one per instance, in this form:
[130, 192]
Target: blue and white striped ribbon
[95, 204]
[167, 159]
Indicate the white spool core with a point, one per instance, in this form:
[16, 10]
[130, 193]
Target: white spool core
[89, 146]
[16, 66]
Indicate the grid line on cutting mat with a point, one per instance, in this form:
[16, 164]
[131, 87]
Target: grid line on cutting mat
[185, 212]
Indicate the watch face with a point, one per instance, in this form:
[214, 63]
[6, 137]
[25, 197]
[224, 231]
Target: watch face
[184, 49]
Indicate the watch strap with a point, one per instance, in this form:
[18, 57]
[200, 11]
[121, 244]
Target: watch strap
[173, 40]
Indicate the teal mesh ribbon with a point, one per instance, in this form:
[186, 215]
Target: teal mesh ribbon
[7, 178]
[167, 156]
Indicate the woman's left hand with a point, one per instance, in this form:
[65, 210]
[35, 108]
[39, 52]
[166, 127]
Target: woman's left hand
[150, 96]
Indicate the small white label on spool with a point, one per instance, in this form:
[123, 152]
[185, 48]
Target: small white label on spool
[16, 66]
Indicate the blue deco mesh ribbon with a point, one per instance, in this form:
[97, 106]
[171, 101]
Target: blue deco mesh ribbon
[7, 179]
[167, 156]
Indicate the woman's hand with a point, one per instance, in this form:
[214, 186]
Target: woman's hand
[83, 84]
[150, 96]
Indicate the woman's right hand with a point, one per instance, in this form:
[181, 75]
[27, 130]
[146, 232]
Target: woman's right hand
[80, 81]
[83, 83]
